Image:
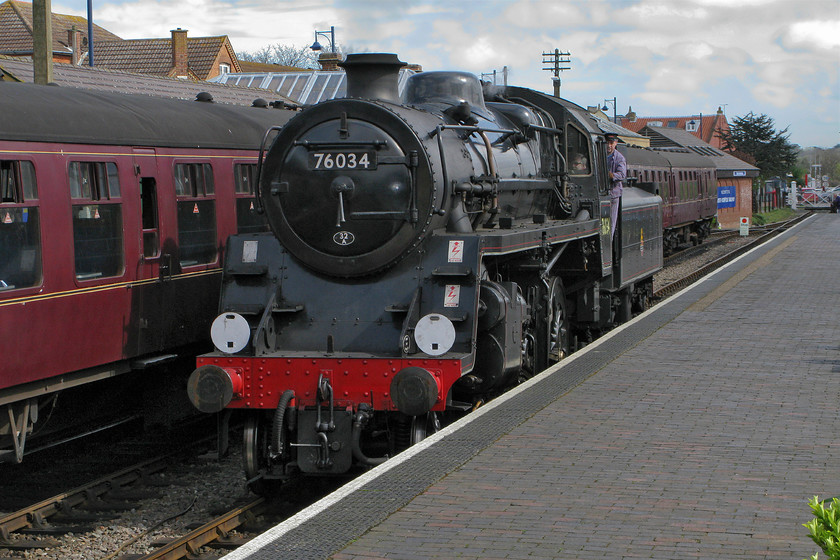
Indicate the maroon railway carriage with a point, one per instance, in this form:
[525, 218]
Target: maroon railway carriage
[113, 218]
[686, 183]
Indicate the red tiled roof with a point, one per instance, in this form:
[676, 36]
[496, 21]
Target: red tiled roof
[146, 56]
[16, 28]
[154, 56]
[707, 125]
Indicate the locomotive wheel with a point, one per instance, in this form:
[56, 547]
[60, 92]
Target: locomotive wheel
[558, 323]
[423, 426]
[255, 437]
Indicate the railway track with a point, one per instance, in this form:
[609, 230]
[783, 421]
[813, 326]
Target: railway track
[74, 508]
[216, 534]
[770, 232]
[64, 524]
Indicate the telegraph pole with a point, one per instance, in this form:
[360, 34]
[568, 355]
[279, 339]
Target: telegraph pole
[556, 61]
[42, 41]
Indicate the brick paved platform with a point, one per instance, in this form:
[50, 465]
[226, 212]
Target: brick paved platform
[699, 430]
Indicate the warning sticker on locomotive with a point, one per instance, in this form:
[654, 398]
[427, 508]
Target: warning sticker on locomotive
[357, 159]
[453, 296]
[456, 251]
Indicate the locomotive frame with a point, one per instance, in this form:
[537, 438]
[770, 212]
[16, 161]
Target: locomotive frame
[481, 257]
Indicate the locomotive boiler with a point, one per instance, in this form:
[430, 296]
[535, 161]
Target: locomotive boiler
[428, 251]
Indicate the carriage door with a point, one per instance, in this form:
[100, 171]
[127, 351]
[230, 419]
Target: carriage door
[150, 299]
[145, 168]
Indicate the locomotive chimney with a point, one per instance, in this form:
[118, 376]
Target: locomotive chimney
[373, 76]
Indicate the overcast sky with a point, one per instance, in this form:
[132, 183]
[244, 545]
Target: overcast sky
[660, 57]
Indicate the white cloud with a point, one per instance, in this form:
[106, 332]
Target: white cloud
[814, 34]
[776, 95]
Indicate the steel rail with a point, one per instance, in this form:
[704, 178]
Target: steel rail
[35, 514]
[215, 530]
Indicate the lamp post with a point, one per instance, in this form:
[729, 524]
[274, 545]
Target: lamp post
[328, 35]
[604, 108]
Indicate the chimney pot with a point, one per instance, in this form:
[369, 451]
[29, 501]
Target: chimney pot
[180, 58]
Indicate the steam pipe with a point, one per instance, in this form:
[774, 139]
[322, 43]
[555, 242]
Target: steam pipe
[359, 421]
[277, 426]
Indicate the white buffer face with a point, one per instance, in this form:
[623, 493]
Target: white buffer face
[230, 332]
[434, 334]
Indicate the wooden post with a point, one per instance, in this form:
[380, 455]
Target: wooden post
[42, 41]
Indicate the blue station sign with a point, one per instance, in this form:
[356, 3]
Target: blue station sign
[726, 197]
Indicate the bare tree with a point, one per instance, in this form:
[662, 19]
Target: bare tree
[285, 55]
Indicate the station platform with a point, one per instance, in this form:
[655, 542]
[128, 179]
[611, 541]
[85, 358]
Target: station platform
[698, 430]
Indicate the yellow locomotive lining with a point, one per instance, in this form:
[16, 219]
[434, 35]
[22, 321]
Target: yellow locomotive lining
[107, 287]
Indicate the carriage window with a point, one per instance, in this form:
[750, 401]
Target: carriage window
[94, 180]
[20, 231]
[248, 220]
[194, 179]
[196, 213]
[578, 157]
[97, 219]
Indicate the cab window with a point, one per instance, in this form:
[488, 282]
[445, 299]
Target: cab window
[20, 231]
[97, 219]
[195, 192]
[578, 157]
[248, 220]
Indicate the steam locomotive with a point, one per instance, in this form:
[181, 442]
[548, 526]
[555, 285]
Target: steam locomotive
[427, 252]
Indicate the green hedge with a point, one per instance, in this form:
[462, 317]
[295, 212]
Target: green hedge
[824, 529]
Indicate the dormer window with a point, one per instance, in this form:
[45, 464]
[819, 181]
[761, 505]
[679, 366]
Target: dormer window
[691, 126]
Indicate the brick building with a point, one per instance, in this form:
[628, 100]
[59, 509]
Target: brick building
[69, 44]
[704, 127]
[178, 56]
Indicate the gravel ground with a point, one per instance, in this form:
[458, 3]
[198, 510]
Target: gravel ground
[203, 486]
[712, 252]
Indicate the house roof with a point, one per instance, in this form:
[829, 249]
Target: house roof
[154, 56]
[84, 77]
[16, 23]
[706, 125]
[727, 165]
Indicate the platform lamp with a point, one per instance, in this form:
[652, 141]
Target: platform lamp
[604, 108]
[328, 35]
